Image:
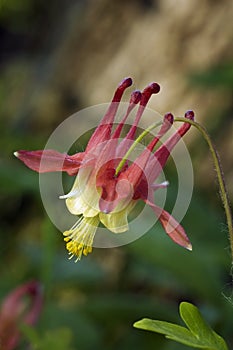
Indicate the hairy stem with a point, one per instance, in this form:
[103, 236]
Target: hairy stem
[220, 177]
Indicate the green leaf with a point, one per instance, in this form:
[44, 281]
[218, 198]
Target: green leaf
[199, 328]
[170, 330]
[197, 335]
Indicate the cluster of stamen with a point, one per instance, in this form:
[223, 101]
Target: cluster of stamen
[79, 239]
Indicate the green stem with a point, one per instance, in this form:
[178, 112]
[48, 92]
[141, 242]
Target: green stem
[138, 140]
[220, 176]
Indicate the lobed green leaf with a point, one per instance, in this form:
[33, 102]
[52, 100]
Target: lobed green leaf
[197, 335]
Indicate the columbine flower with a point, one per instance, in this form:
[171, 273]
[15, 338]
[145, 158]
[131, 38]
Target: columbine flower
[108, 185]
[15, 310]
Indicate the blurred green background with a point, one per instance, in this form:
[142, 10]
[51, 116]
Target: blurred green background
[58, 57]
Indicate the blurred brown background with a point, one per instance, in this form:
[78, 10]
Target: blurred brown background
[59, 57]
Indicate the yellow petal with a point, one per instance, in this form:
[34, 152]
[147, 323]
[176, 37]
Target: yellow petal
[84, 198]
[117, 222]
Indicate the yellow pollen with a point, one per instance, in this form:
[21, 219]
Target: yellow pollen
[79, 239]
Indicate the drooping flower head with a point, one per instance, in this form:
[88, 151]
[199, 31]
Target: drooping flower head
[108, 185]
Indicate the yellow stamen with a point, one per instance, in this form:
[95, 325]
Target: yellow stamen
[80, 237]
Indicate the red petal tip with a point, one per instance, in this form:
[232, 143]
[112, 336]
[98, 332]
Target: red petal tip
[126, 82]
[169, 118]
[189, 115]
[152, 88]
[135, 97]
[155, 87]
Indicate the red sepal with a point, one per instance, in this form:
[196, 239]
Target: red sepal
[173, 229]
[49, 160]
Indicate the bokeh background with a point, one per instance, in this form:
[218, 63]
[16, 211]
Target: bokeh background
[60, 56]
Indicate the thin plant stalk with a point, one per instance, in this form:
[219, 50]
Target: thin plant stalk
[220, 177]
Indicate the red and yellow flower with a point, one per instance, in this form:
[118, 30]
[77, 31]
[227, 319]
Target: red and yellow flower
[108, 184]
